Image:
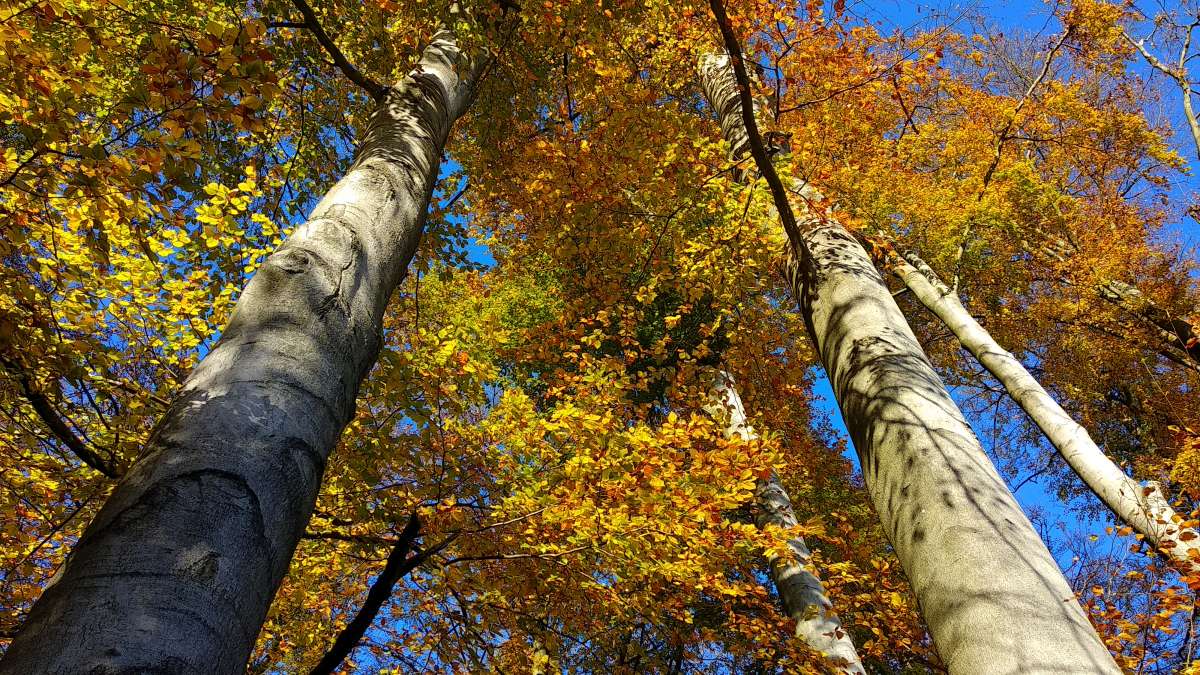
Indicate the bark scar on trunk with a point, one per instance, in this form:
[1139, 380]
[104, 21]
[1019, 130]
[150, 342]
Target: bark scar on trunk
[208, 483]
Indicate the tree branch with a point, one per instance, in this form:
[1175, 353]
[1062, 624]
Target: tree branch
[757, 150]
[28, 160]
[457, 195]
[516, 556]
[1186, 88]
[1179, 74]
[398, 565]
[53, 421]
[334, 535]
[1151, 59]
[375, 89]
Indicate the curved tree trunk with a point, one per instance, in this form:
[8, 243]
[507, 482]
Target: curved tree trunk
[1142, 507]
[800, 590]
[178, 569]
[992, 595]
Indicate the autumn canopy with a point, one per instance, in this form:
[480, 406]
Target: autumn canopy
[599, 336]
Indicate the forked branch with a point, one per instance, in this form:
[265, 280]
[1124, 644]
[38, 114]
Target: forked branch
[398, 565]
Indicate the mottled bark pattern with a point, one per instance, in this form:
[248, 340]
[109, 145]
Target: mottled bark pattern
[994, 599]
[721, 90]
[1142, 507]
[800, 590]
[176, 572]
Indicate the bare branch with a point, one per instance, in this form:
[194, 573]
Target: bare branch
[375, 89]
[57, 426]
[1178, 74]
[397, 566]
[1151, 59]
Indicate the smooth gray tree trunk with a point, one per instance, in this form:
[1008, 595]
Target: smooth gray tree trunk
[178, 569]
[1142, 507]
[800, 590]
[991, 594]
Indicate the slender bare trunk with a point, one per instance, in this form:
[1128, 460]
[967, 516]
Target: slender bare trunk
[177, 571]
[992, 595]
[800, 590]
[1142, 507]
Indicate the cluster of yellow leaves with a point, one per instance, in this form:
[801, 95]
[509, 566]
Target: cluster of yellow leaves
[115, 114]
[1096, 24]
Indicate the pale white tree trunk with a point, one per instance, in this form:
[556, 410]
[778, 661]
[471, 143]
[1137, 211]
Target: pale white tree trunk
[800, 590]
[176, 572]
[1142, 507]
[991, 594]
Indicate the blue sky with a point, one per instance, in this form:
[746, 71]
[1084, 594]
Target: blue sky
[1035, 19]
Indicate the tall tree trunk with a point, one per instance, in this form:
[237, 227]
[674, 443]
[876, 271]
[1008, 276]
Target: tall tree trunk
[800, 590]
[1142, 507]
[178, 569]
[992, 595]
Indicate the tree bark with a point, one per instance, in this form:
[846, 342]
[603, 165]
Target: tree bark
[1142, 507]
[800, 590]
[1175, 331]
[178, 569]
[992, 595]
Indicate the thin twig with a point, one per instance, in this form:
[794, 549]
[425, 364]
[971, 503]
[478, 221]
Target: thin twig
[1178, 74]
